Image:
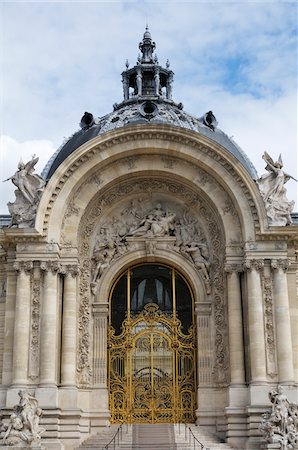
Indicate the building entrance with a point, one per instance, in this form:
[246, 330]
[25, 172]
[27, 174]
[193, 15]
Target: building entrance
[152, 347]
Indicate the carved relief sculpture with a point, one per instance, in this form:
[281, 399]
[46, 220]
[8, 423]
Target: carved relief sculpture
[176, 227]
[29, 188]
[23, 427]
[272, 189]
[280, 425]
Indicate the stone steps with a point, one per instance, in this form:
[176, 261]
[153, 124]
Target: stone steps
[154, 437]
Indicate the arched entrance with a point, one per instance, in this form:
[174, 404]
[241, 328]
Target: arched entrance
[151, 347]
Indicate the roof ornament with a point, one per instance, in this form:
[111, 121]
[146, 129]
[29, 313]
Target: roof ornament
[167, 64]
[127, 64]
[147, 47]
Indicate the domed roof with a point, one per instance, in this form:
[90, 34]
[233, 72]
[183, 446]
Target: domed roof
[147, 91]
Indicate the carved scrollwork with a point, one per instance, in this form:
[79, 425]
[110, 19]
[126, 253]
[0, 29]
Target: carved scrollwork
[50, 266]
[70, 270]
[256, 264]
[282, 263]
[23, 266]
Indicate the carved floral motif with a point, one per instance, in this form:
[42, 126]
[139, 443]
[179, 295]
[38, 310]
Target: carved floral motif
[269, 326]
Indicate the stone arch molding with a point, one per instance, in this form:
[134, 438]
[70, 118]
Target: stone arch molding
[140, 167]
[133, 150]
[151, 219]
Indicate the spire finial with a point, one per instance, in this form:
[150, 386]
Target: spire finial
[147, 47]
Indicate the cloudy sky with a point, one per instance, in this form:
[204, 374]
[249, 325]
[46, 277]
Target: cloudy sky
[62, 58]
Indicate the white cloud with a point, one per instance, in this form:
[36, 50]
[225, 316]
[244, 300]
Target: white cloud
[63, 58]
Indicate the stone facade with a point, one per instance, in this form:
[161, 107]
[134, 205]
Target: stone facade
[56, 278]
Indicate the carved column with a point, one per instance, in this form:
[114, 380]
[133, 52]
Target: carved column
[69, 327]
[9, 324]
[236, 346]
[283, 322]
[100, 325]
[22, 324]
[49, 321]
[256, 320]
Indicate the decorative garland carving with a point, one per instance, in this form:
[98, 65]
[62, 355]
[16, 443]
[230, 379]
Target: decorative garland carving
[35, 325]
[269, 326]
[88, 228]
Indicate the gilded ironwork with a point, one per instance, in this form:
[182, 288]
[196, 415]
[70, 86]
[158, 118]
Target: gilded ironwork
[152, 369]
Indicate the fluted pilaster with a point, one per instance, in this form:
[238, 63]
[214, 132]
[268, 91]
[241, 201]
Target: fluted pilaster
[21, 342]
[236, 346]
[100, 324]
[9, 324]
[256, 320]
[282, 321]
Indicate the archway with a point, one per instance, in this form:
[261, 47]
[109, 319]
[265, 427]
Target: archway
[151, 341]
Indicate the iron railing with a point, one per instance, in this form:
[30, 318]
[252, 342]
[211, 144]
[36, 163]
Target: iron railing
[116, 439]
[190, 438]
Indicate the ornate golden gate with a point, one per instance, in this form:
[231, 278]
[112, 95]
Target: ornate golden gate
[151, 360]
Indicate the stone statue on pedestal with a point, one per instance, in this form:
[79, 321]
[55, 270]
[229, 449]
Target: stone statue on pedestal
[29, 188]
[272, 189]
[280, 425]
[23, 428]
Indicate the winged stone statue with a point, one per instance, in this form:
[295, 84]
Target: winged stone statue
[29, 188]
[272, 189]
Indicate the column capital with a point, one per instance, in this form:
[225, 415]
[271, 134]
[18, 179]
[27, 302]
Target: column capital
[257, 264]
[23, 266]
[230, 268]
[281, 263]
[50, 266]
[71, 270]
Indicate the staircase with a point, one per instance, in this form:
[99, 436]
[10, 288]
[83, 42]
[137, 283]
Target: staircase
[155, 437]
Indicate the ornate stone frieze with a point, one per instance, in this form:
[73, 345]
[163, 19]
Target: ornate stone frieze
[269, 326]
[117, 233]
[280, 425]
